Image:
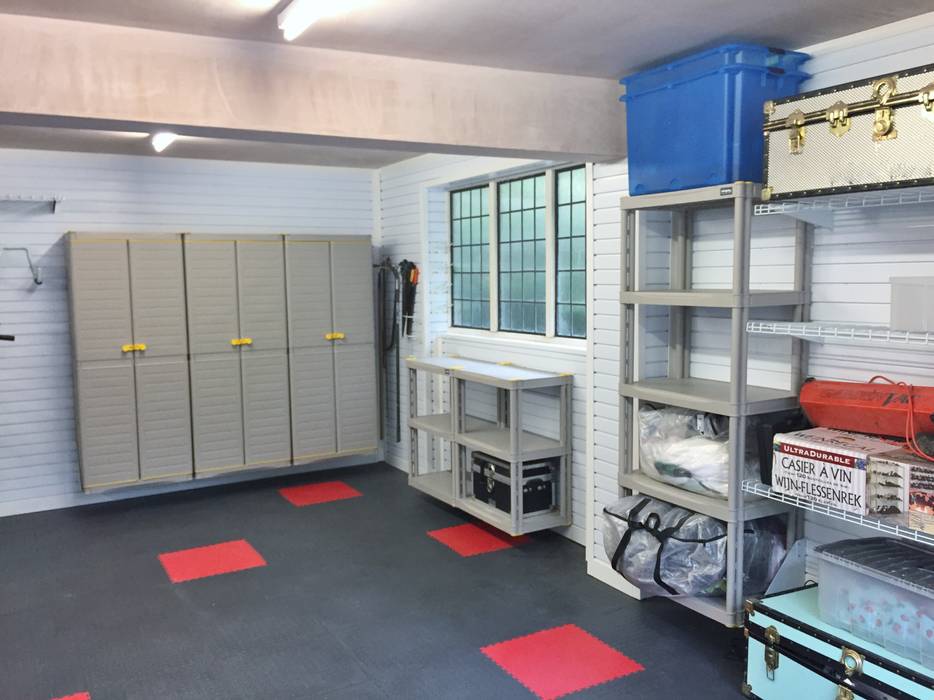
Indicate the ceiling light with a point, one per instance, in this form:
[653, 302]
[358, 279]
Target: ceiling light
[301, 14]
[163, 140]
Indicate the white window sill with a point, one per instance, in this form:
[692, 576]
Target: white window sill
[575, 346]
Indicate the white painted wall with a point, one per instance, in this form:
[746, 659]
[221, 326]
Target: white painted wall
[38, 468]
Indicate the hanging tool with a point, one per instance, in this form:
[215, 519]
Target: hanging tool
[389, 337]
[409, 273]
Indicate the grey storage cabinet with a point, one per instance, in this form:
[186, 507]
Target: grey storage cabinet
[239, 352]
[331, 346]
[131, 359]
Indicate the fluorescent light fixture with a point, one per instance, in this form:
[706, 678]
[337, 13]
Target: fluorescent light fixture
[301, 14]
[163, 140]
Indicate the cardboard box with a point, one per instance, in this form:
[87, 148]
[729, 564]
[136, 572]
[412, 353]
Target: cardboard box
[825, 466]
[889, 475]
[920, 490]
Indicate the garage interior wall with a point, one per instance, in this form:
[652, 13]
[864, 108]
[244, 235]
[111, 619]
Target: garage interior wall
[851, 268]
[120, 194]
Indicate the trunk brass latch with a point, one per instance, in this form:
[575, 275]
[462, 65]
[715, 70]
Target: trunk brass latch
[926, 98]
[839, 117]
[795, 122]
[883, 128]
[844, 693]
[772, 637]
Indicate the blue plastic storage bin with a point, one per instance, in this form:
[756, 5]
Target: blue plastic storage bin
[698, 121]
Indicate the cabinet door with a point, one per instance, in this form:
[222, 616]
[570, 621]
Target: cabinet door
[261, 292]
[163, 418]
[163, 398]
[106, 408]
[211, 274]
[265, 367]
[266, 415]
[213, 321]
[356, 397]
[352, 290]
[99, 276]
[308, 275]
[314, 422]
[216, 413]
[157, 276]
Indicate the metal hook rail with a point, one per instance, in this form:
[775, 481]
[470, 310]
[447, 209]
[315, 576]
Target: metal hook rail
[33, 268]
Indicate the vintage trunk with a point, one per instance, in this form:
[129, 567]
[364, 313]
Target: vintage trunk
[868, 135]
[791, 653]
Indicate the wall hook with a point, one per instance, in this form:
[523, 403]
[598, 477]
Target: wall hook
[36, 271]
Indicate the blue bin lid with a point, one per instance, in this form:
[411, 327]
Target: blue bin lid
[776, 61]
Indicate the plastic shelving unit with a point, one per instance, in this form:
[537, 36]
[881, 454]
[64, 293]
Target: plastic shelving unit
[735, 398]
[501, 438]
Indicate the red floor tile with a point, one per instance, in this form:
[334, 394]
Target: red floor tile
[200, 562]
[324, 492]
[75, 696]
[559, 661]
[469, 540]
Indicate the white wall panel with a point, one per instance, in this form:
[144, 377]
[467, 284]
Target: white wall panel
[38, 468]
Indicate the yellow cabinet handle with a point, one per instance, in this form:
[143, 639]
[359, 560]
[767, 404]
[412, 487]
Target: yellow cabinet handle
[140, 347]
[334, 336]
[241, 341]
[133, 347]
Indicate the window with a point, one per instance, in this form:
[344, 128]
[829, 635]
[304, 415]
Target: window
[519, 254]
[522, 255]
[470, 257]
[571, 251]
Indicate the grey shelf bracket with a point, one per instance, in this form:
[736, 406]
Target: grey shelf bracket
[33, 268]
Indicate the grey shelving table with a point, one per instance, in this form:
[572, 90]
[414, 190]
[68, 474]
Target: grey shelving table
[734, 398]
[501, 438]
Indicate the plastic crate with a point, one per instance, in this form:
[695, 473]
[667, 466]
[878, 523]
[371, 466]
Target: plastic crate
[698, 121]
[881, 590]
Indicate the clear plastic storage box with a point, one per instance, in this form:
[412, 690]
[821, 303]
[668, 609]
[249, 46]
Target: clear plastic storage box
[881, 590]
[912, 304]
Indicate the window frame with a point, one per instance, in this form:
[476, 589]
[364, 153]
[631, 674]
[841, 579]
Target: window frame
[551, 308]
[556, 210]
[451, 252]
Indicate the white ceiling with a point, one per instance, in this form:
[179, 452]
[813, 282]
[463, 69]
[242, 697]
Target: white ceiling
[605, 38]
[129, 143]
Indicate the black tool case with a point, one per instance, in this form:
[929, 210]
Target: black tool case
[492, 483]
[791, 654]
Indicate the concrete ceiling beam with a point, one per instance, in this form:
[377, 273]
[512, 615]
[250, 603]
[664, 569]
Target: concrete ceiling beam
[66, 73]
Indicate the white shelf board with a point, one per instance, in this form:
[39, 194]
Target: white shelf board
[714, 298]
[709, 396]
[495, 442]
[754, 507]
[438, 485]
[500, 374]
[820, 332]
[894, 525]
[439, 423]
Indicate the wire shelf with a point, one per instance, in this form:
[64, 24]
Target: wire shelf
[894, 525]
[820, 332]
[855, 200]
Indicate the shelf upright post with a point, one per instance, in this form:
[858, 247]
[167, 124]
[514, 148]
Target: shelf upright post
[627, 344]
[739, 351]
[515, 457]
[413, 433]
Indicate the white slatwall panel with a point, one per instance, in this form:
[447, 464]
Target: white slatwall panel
[610, 182]
[414, 226]
[38, 467]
